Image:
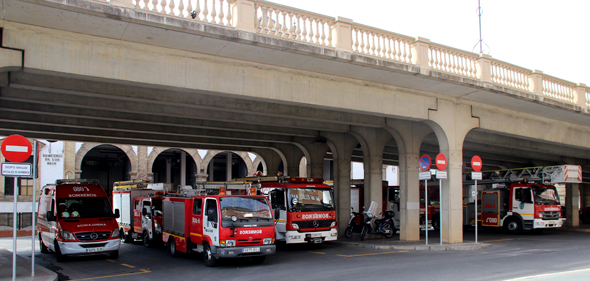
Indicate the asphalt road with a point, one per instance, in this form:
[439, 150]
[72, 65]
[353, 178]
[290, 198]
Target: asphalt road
[548, 256]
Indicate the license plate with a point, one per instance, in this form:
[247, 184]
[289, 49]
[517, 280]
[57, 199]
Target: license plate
[317, 240]
[251, 250]
[316, 235]
[90, 250]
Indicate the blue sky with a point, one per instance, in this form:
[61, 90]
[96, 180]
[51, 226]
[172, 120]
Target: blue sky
[551, 36]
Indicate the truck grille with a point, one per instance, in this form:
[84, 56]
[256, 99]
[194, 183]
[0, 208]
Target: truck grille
[87, 236]
[551, 215]
[309, 224]
[247, 242]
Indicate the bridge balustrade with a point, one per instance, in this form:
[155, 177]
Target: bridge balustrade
[275, 20]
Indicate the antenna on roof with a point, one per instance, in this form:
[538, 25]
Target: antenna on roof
[480, 42]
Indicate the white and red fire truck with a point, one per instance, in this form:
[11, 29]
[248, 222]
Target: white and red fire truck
[516, 202]
[140, 202]
[219, 220]
[75, 218]
[304, 208]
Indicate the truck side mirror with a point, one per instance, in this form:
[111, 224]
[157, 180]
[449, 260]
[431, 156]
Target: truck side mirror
[117, 214]
[277, 213]
[49, 216]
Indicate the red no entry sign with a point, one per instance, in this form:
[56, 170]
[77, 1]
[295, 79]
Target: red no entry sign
[16, 148]
[441, 161]
[476, 163]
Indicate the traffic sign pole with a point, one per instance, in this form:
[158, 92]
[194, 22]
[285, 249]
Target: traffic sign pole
[35, 148]
[14, 229]
[426, 209]
[441, 165]
[476, 165]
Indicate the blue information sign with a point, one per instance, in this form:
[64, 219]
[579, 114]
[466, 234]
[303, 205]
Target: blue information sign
[424, 163]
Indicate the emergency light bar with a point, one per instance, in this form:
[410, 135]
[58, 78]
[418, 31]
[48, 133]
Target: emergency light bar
[306, 180]
[77, 181]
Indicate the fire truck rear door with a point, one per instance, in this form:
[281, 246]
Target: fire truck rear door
[490, 215]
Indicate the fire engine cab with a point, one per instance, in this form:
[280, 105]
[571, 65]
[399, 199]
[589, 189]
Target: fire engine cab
[75, 218]
[140, 202]
[219, 220]
[304, 208]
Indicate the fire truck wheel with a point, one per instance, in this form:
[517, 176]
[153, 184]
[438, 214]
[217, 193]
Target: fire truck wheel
[259, 259]
[127, 236]
[364, 232]
[513, 226]
[348, 232]
[171, 245]
[208, 257]
[146, 239]
[436, 224]
[58, 255]
[44, 249]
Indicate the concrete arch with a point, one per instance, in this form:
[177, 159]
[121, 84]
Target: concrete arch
[194, 153]
[86, 147]
[242, 154]
[258, 160]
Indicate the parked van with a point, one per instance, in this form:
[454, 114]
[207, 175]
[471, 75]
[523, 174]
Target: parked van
[75, 218]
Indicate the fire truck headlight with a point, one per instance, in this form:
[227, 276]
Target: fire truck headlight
[540, 215]
[66, 235]
[227, 243]
[115, 233]
[333, 224]
[268, 241]
[295, 226]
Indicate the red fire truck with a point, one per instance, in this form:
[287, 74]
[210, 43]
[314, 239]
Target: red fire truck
[140, 203]
[304, 208]
[75, 218]
[219, 220]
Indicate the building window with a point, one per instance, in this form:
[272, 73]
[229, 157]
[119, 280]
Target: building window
[25, 186]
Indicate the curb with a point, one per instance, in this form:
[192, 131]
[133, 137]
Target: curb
[445, 247]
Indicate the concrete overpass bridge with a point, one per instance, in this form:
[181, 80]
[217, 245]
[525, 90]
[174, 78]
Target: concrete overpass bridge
[251, 75]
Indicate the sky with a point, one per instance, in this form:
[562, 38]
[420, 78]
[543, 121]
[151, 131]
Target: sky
[551, 36]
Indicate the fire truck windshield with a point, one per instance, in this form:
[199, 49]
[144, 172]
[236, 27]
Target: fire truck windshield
[545, 195]
[248, 211]
[310, 199]
[86, 207]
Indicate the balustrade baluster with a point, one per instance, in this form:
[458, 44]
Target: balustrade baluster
[155, 5]
[163, 5]
[221, 14]
[146, 5]
[363, 42]
[298, 29]
[181, 8]
[291, 25]
[229, 14]
[356, 39]
[323, 37]
[304, 32]
[317, 31]
[205, 11]
[189, 7]
[198, 10]
[284, 30]
[213, 12]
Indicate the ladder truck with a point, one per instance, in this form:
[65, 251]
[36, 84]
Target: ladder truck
[522, 199]
[140, 202]
[304, 208]
[218, 220]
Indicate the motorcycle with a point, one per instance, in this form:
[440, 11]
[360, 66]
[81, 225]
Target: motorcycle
[355, 224]
[384, 226]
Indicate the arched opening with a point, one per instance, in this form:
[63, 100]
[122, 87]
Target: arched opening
[226, 166]
[175, 167]
[106, 163]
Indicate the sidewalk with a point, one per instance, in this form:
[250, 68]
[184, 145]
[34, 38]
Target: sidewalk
[378, 242]
[23, 269]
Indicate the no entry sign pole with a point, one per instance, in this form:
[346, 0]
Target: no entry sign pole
[424, 165]
[476, 174]
[441, 165]
[16, 148]
[35, 148]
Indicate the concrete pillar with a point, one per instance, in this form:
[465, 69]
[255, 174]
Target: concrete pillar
[409, 137]
[142, 163]
[572, 204]
[244, 15]
[484, 68]
[341, 145]
[420, 54]
[451, 123]
[373, 143]
[580, 95]
[121, 3]
[536, 82]
[69, 160]
[211, 169]
[342, 34]
[228, 160]
[273, 158]
[316, 152]
[182, 168]
[169, 171]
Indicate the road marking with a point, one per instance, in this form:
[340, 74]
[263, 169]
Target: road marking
[142, 271]
[497, 240]
[130, 266]
[320, 253]
[549, 274]
[110, 260]
[371, 254]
